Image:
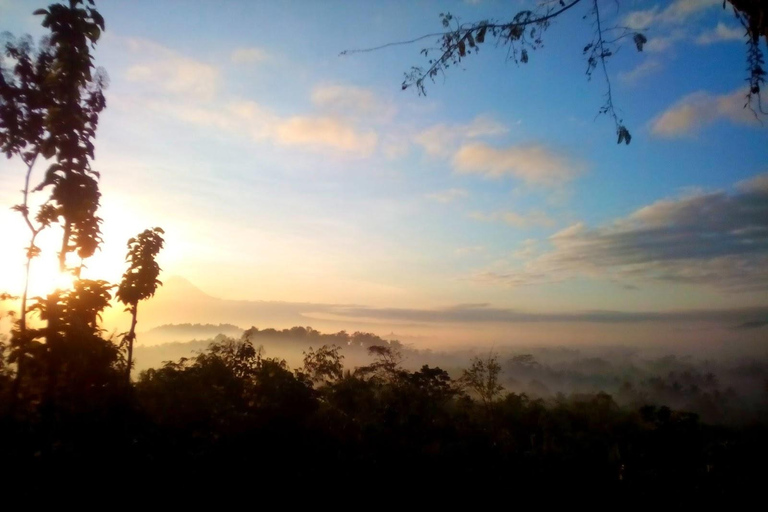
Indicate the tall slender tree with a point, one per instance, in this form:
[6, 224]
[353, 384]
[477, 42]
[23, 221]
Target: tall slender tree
[140, 281]
[50, 100]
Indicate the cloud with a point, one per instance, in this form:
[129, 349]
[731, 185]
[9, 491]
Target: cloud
[194, 96]
[677, 12]
[755, 185]
[533, 164]
[325, 132]
[485, 313]
[172, 72]
[641, 19]
[716, 239]
[528, 249]
[749, 325]
[248, 55]
[661, 44]
[518, 220]
[645, 68]
[701, 109]
[720, 33]
[252, 120]
[351, 101]
[680, 10]
[448, 196]
[465, 251]
[164, 308]
[441, 140]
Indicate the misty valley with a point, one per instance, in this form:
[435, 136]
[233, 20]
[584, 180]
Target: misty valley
[291, 278]
[724, 390]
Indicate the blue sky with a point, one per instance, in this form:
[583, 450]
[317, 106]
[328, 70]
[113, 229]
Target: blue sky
[283, 171]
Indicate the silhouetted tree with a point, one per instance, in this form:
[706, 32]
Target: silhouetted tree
[140, 281]
[482, 377]
[324, 365]
[386, 364]
[50, 101]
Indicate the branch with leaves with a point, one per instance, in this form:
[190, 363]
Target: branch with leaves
[523, 34]
[75, 91]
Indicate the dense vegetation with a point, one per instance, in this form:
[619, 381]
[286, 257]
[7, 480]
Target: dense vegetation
[232, 414]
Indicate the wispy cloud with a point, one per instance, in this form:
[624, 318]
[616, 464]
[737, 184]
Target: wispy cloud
[171, 71]
[194, 97]
[717, 239]
[677, 12]
[519, 220]
[350, 101]
[701, 109]
[534, 164]
[662, 43]
[248, 55]
[721, 33]
[472, 249]
[645, 68]
[483, 312]
[325, 132]
[441, 140]
[528, 249]
[447, 196]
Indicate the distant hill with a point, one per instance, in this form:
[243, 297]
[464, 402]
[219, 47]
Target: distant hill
[185, 332]
[185, 340]
[180, 302]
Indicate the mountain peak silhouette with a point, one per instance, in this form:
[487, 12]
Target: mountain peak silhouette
[180, 288]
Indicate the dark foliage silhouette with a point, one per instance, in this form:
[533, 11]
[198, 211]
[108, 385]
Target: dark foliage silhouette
[140, 281]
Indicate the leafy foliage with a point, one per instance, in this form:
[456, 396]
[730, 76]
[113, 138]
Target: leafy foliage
[482, 377]
[140, 281]
[324, 365]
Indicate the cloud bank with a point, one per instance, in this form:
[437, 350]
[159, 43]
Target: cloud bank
[716, 239]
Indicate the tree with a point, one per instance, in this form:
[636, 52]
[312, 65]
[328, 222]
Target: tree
[324, 365]
[49, 106]
[386, 364]
[523, 34]
[140, 281]
[482, 377]
[50, 100]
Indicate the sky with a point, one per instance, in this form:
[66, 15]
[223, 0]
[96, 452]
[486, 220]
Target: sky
[281, 170]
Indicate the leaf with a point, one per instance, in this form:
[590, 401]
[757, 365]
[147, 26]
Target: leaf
[524, 56]
[462, 48]
[48, 148]
[480, 37]
[640, 40]
[93, 34]
[624, 135]
[98, 19]
[39, 12]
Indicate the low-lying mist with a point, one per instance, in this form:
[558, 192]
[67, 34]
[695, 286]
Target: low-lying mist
[724, 387]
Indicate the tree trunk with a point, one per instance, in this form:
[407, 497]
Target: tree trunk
[131, 337]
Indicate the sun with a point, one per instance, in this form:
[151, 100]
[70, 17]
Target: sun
[44, 280]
